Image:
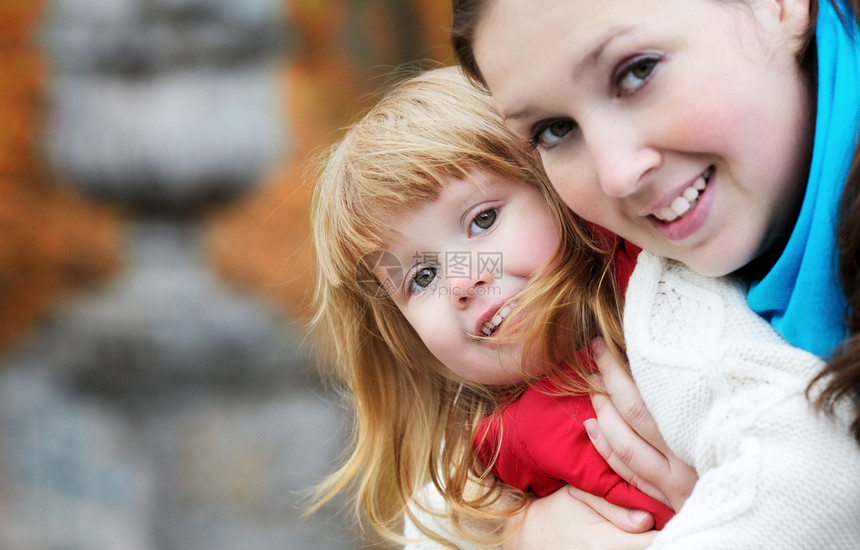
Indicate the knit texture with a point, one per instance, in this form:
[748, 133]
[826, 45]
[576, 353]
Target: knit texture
[728, 395]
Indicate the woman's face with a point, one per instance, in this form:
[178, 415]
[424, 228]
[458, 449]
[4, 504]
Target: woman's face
[683, 126]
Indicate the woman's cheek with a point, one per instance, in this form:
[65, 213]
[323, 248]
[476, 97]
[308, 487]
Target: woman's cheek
[576, 181]
[582, 197]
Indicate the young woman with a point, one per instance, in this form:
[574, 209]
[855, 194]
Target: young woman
[635, 104]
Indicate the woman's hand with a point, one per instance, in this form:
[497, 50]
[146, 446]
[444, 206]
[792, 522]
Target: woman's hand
[627, 436]
[573, 519]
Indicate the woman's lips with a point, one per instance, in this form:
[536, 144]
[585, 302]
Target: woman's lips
[684, 202]
[694, 212]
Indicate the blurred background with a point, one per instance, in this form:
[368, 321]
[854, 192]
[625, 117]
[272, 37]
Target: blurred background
[157, 387]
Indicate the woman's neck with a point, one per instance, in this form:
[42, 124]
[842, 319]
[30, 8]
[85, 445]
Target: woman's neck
[762, 264]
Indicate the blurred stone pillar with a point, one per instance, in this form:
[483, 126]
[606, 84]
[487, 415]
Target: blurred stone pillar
[167, 410]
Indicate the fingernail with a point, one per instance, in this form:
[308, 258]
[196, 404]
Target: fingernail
[597, 380]
[638, 516]
[591, 428]
[598, 346]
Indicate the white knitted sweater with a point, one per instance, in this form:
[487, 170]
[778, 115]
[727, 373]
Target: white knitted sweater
[728, 395]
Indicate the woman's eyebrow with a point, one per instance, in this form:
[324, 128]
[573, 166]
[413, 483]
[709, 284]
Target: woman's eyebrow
[580, 66]
[519, 114]
[603, 40]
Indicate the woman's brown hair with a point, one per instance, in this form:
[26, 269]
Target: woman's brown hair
[841, 377]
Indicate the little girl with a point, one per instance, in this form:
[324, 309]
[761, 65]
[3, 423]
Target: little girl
[449, 276]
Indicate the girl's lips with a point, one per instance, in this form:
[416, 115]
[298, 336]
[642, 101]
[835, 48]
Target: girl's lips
[693, 219]
[491, 319]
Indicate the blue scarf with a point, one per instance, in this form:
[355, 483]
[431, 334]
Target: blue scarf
[801, 295]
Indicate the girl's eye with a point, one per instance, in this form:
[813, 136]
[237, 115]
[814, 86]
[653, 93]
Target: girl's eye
[549, 135]
[483, 221]
[422, 279]
[634, 75]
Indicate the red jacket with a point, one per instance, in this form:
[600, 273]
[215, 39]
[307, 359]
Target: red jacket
[545, 445]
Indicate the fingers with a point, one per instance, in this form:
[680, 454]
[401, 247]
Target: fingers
[621, 458]
[627, 437]
[626, 434]
[627, 400]
[630, 521]
[572, 519]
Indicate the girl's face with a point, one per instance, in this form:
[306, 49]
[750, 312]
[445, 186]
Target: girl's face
[465, 257]
[683, 126]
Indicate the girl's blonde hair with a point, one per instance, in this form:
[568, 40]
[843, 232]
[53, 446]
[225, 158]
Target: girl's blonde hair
[414, 420]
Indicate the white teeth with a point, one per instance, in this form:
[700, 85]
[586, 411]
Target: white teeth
[666, 214]
[690, 194]
[681, 205]
[491, 325]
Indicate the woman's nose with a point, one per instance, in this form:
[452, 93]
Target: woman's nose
[621, 156]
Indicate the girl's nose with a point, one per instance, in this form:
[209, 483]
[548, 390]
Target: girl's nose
[464, 289]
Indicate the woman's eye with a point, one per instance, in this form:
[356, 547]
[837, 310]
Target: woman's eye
[635, 75]
[483, 221]
[552, 133]
[423, 278]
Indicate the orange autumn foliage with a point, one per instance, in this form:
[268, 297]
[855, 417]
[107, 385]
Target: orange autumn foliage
[52, 240]
[348, 51]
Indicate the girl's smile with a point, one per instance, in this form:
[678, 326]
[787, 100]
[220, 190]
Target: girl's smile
[683, 126]
[492, 319]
